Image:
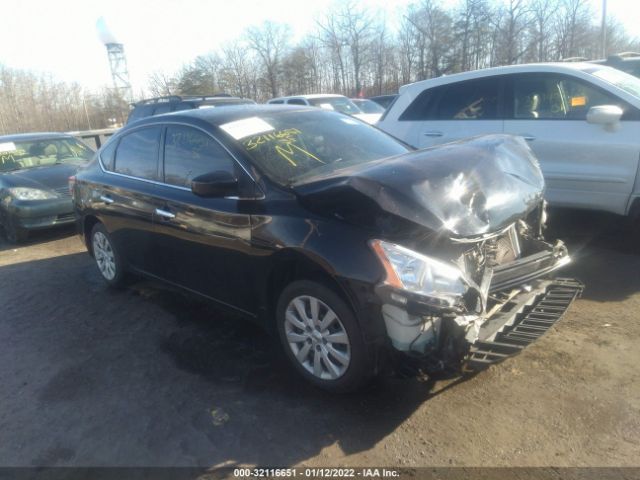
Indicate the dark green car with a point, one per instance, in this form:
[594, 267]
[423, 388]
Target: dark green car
[34, 181]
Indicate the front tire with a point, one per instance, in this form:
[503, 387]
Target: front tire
[108, 260]
[321, 337]
[13, 233]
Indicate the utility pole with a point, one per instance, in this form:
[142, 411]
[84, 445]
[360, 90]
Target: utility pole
[603, 29]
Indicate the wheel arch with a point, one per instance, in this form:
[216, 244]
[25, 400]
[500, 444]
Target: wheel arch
[291, 265]
[88, 222]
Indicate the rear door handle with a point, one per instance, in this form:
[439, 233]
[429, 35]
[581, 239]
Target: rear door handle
[106, 199]
[164, 214]
[528, 138]
[433, 133]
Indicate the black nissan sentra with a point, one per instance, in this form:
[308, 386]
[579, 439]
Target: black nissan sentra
[354, 250]
[34, 173]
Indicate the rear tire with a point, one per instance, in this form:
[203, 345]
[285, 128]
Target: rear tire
[108, 259]
[321, 338]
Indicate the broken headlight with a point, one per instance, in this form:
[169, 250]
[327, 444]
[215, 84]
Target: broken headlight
[411, 271]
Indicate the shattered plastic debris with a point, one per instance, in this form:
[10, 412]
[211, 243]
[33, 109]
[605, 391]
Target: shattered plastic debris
[219, 417]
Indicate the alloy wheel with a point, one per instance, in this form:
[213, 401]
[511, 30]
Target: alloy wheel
[104, 256]
[317, 337]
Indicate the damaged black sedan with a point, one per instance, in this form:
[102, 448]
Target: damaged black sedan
[352, 248]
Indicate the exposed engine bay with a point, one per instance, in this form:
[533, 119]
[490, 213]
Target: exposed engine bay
[510, 301]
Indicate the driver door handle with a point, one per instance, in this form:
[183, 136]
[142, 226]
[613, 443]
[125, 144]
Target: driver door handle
[527, 137]
[164, 214]
[433, 133]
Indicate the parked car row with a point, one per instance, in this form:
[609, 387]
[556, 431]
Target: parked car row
[339, 103]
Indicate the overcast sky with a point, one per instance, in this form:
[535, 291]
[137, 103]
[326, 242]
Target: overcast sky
[60, 37]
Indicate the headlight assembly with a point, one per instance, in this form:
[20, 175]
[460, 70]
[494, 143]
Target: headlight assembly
[417, 273]
[23, 193]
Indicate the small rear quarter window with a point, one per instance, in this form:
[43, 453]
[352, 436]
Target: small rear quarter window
[107, 154]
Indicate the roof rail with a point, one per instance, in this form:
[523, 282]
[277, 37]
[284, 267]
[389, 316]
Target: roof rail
[168, 98]
[574, 59]
[179, 98]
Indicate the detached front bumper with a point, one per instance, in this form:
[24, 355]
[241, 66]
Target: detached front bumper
[521, 321]
[447, 344]
[516, 302]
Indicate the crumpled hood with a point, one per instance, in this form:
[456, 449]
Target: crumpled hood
[468, 188]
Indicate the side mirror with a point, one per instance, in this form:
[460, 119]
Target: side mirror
[215, 184]
[604, 114]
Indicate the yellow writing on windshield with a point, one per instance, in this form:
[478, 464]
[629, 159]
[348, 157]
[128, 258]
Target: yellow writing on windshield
[286, 136]
[288, 150]
[285, 144]
[9, 157]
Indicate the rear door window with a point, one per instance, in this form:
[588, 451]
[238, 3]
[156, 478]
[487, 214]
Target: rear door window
[189, 152]
[137, 153]
[471, 100]
[468, 100]
[107, 155]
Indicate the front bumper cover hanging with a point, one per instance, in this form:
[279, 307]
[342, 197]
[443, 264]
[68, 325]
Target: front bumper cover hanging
[525, 322]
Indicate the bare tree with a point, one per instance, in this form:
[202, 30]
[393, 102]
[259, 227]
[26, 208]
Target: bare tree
[543, 12]
[434, 27]
[270, 42]
[333, 39]
[573, 28]
[512, 25]
[160, 84]
[236, 68]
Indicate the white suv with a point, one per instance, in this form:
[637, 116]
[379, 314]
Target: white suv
[328, 101]
[581, 120]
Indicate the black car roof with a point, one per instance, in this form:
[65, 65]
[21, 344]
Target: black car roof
[220, 116]
[16, 137]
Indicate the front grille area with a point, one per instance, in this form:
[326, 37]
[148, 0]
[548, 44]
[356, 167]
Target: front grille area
[490, 253]
[63, 191]
[529, 324]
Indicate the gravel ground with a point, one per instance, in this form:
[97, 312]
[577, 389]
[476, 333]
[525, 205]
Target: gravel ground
[150, 377]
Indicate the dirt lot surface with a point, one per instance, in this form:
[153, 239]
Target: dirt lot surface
[147, 376]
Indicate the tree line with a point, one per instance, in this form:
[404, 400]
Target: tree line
[31, 102]
[353, 51]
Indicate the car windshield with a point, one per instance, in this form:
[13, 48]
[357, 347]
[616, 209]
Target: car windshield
[620, 79]
[289, 146]
[341, 104]
[369, 106]
[21, 154]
